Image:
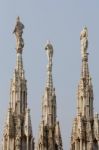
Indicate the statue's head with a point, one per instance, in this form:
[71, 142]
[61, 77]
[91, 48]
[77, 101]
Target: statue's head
[49, 49]
[84, 33]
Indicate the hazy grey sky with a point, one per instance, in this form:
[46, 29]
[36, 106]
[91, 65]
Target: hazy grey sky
[59, 21]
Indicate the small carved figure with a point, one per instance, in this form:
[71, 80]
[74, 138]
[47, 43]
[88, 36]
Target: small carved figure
[49, 51]
[84, 40]
[18, 32]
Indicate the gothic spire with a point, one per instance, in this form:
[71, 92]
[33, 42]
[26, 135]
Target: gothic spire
[18, 129]
[85, 129]
[49, 133]
[85, 89]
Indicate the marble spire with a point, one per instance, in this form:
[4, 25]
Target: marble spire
[18, 129]
[49, 131]
[85, 129]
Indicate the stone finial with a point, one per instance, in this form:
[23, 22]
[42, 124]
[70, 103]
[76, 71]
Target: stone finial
[18, 33]
[84, 41]
[49, 52]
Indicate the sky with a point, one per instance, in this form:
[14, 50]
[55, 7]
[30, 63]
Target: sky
[61, 22]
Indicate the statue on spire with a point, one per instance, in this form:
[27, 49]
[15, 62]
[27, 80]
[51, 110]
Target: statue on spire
[49, 133]
[18, 32]
[84, 41]
[49, 52]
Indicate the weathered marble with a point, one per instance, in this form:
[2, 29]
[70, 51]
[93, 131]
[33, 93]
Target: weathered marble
[49, 132]
[18, 129]
[85, 129]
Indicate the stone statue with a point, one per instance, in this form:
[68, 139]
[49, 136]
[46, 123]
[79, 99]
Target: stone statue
[84, 40]
[49, 51]
[18, 32]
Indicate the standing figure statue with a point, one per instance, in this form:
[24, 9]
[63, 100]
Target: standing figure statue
[84, 40]
[18, 32]
[49, 51]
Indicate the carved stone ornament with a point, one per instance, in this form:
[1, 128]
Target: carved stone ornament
[84, 40]
[18, 33]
